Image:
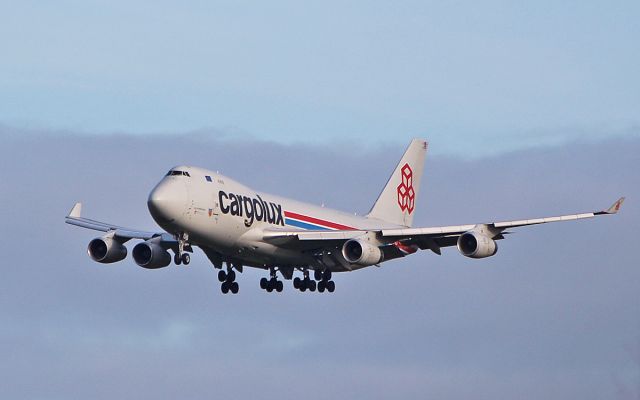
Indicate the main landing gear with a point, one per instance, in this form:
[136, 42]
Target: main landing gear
[321, 281]
[273, 283]
[304, 283]
[323, 278]
[228, 279]
[324, 281]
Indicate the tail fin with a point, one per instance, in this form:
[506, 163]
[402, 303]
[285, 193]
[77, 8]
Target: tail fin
[397, 201]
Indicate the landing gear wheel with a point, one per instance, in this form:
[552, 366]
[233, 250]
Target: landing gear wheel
[263, 283]
[327, 275]
[234, 287]
[176, 259]
[321, 286]
[279, 286]
[186, 258]
[331, 286]
[312, 286]
[296, 282]
[231, 276]
[225, 287]
[222, 276]
[317, 274]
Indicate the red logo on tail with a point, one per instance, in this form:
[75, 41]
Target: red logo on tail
[406, 194]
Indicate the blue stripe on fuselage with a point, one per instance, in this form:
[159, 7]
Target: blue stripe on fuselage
[303, 225]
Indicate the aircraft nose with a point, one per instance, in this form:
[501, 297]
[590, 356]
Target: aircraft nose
[167, 201]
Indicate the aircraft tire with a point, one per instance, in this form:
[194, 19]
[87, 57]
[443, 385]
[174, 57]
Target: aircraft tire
[317, 274]
[263, 283]
[222, 276]
[186, 258]
[321, 286]
[312, 286]
[296, 282]
[231, 276]
[279, 286]
[331, 286]
[225, 287]
[235, 287]
[177, 260]
[327, 275]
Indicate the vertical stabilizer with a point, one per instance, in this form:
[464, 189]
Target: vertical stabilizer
[397, 202]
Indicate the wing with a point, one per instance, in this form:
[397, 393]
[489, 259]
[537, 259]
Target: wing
[75, 218]
[425, 238]
[437, 237]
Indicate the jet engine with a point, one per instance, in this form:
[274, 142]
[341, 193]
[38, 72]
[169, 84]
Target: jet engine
[151, 255]
[476, 245]
[358, 251]
[106, 250]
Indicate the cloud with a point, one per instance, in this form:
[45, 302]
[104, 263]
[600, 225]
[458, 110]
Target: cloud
[552, 315]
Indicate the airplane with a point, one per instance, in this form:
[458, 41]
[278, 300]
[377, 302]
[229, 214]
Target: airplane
[237, 226]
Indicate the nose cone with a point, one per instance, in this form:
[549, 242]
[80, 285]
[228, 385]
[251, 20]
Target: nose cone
[167, 201]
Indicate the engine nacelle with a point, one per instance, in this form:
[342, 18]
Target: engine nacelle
[151, 255]
[106, 250]
[358, 251]
[476, 245]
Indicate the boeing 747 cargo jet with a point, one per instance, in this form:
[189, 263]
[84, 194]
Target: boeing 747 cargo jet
[237, 226]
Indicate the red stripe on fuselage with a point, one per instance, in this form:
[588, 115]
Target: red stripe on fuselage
[317, 221]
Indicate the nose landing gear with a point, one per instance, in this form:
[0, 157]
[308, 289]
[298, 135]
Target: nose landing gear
[181, 256]
[185, 258]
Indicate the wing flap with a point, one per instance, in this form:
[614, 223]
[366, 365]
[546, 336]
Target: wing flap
[536, 221]
[436, 231]
[285, 236]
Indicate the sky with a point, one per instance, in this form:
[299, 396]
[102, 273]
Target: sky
[530, 108]
[477, 78]
[553, 315]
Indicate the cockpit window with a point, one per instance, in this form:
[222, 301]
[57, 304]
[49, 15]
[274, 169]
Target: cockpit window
[173, 172]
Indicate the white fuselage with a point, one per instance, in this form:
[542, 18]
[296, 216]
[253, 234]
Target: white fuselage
[230, 218]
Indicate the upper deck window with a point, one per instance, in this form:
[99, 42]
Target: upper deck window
[174, 172]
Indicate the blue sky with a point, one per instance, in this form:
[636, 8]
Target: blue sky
[531, 109]
[473, 77]
[554, 315]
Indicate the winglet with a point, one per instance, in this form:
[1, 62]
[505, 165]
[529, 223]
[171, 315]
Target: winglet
[75, 211]
[614, 208]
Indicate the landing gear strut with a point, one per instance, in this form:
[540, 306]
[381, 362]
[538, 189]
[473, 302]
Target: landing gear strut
[273, 283]
[228, 279]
